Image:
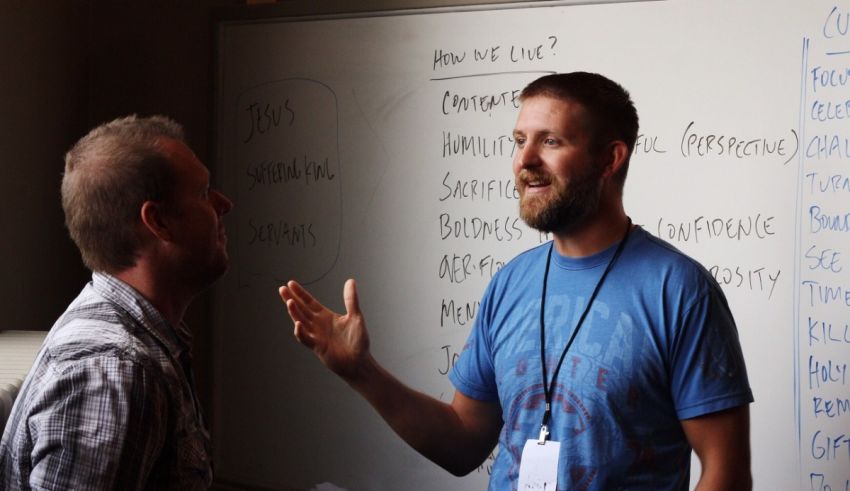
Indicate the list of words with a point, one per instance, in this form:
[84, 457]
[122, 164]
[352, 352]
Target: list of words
[289, 200]
[823, 340]
[477, 225]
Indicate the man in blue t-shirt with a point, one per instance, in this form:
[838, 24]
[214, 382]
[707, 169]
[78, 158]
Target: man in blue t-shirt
[597, 360]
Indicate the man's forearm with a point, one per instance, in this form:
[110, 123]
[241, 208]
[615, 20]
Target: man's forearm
[430, 426]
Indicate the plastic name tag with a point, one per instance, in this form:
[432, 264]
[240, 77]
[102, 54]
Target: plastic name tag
[538, 469]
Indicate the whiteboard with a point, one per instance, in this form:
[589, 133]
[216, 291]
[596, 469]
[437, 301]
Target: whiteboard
[378, 147]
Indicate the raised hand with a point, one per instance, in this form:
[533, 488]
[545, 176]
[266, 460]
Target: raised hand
[340, 341]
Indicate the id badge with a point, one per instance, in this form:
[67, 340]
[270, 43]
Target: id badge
[538, 469]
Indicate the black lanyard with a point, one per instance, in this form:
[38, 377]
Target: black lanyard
[548, 389]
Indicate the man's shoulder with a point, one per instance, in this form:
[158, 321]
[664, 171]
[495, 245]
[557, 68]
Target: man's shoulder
[657, 252]
[93, 327]
[655, 261]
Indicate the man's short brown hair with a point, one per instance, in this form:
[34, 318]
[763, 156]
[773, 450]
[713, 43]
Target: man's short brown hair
[108, 175]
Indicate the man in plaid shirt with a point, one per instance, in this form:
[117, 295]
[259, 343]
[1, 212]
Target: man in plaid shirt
[110, 401]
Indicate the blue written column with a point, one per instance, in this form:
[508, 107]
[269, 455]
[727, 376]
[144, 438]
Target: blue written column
[823, 268]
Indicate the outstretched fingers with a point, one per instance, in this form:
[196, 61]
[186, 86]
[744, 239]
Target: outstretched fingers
[310, 316]
[297, 313]
[294, 291]
[304, 325]
[303, 335]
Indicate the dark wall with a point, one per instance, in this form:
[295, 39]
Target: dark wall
[44, 99]
[68, 66]
[153, 57]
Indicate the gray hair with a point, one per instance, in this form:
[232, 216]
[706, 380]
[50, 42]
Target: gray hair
[109, 174]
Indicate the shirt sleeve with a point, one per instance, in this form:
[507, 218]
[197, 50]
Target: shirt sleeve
[708, 371]
[99, 424]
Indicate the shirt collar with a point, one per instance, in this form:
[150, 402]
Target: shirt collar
[176, 340]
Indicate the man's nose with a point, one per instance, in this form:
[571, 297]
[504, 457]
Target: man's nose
[222, 203]
[528, 156]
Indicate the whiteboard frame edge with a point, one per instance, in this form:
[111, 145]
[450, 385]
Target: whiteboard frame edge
[304, 10]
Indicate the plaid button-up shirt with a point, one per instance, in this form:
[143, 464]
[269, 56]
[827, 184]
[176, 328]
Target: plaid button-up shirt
[109, 402]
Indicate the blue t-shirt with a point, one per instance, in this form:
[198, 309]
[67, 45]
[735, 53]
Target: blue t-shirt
[659, 345]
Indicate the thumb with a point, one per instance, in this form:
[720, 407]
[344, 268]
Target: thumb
[349, 296]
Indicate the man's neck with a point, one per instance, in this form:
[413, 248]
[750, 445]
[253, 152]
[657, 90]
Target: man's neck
[162, 294]
[595, 235]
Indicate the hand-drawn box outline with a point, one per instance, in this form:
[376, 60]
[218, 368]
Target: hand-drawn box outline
[333, 263]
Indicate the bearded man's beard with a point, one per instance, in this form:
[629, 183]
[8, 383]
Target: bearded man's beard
[566, 206]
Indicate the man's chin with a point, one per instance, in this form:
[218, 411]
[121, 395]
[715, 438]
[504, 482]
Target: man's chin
[217, 269]
[532, 211]
[535, 222]
[550, 222]
[223, 266]
[531, 207]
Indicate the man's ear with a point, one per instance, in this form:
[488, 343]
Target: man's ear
[154, 222]
[616, 154]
